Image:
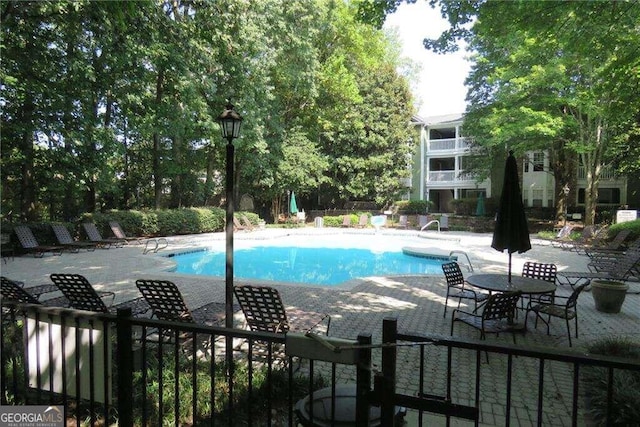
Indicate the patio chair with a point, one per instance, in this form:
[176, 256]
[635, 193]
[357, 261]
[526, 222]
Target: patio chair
[12, 290]
[94, 235]
[30, 244]
[578, 244]
[456, 287]
[363, 221]
[346, 220]
[264, 311]
[615, 246]
[237, 225]
[403, 221]
[64, 239]
[540, 271]
[82, 296]
[567, 310]
[621, 268]
[247, 224]
[609, 261]
[563, 236]
[497, 315]
[167, 303]
[117, 231]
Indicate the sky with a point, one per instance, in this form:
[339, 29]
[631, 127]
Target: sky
[441, 87]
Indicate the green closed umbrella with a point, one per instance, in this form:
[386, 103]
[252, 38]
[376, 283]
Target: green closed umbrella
[480, 211]
[293, 206]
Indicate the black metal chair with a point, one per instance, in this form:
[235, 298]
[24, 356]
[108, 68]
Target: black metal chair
[497, 315]
[15, 291]
[167, 303]
[82, 296]
[540, 271]
[64, 239]
[264, 311]
[567, 310]
[456, 286]
[30, 244]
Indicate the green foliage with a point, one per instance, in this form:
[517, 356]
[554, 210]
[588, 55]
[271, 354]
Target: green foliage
[634, 226]
[200, 382]
[112, 106]
[626, 384]
[419, 207]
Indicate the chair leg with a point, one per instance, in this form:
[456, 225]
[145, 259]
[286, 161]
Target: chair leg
[446, 301]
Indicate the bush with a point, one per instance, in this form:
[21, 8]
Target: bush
[634, 226]
[625, 409]
[417, 207]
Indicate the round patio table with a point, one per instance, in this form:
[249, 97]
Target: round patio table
[500, 283]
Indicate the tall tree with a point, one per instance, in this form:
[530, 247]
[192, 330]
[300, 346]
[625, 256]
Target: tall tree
[550, 75]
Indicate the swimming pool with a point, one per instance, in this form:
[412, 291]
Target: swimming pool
[309, 264]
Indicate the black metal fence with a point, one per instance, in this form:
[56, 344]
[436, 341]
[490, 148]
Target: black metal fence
[105, 369]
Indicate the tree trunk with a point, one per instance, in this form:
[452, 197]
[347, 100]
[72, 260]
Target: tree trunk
[27, 185]
[156, 153]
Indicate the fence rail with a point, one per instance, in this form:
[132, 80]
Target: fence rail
[104, 369]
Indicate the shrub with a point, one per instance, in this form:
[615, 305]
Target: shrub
[625, 408]
[634, 226]
[418, 207]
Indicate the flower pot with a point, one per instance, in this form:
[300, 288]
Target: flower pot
[608, 295]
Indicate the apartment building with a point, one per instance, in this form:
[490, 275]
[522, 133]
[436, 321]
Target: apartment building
[438, 172]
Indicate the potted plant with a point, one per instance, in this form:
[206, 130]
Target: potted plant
[608, 294]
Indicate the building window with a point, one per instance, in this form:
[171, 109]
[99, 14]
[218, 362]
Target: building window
[536, 198]
[538, 161]
[608, 196]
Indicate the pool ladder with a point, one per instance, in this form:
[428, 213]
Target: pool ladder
[155, 245]
[469, 266]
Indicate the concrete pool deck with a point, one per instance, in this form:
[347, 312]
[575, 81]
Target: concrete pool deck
[415, 300]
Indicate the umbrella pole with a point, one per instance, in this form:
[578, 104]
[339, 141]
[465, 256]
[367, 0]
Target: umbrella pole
[509, 267]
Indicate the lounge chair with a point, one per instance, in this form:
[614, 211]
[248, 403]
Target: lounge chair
[346, 220]
[94, 235]
[82, 296]
[578, 244]
[403, 221]
[264, 311]
[117, 231]
[167, 303]
[621, 268]
[563, 236]
[64, 239]
[12, 290]
[30, 244]
[247, 224]
[237, 225]
[363, 221]
[615, 246]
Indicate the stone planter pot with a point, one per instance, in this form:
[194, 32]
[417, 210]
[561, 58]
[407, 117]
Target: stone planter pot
[608, 295]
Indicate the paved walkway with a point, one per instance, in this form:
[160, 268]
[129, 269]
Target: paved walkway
[417, 302]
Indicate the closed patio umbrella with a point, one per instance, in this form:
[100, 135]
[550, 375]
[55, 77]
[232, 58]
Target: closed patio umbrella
[293, 206]
[511, 230]
[480, 211]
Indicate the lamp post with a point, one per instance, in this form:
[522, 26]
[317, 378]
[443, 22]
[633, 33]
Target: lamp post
[230, 122]
[566, 190]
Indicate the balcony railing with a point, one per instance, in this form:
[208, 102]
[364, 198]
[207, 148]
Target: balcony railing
[448, 144]
[442, 176]
[606, 173]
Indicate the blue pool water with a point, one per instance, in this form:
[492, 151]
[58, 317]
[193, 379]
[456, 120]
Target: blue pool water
[316, 266]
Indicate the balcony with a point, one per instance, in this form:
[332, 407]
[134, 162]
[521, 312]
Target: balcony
[607, 172]
[442, 176]
[449, 144]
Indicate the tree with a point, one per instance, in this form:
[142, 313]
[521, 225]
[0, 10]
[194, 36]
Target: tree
[550, 75]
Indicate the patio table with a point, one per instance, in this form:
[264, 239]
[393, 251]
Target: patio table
[500, 283]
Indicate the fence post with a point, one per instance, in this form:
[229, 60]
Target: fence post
[124, 360]
[363, 381]
[388, 377]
